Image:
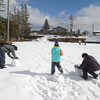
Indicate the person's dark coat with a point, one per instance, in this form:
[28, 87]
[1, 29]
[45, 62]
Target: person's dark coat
[9, 49]
[91, 63]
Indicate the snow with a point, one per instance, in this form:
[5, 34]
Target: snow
[31, 78]
[94, 38]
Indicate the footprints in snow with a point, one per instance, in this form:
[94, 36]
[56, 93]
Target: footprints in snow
[52, 87]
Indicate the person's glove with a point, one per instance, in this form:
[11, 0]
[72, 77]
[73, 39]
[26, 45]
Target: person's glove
[76, 66]
[16, 58]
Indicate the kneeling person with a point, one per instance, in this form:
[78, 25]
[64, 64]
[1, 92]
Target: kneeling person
[89, 65]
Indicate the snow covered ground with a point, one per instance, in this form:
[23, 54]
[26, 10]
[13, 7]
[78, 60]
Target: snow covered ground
[31, 80]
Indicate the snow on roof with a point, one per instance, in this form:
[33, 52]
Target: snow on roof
[94, 39]
[98, 34]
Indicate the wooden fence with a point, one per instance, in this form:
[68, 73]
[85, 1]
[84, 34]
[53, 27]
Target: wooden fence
[73, 40]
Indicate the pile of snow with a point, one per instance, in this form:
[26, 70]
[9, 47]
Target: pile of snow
[31, 79]
[43, 39]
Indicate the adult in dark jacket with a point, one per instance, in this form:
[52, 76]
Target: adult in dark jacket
[9, 49]
[89, 65]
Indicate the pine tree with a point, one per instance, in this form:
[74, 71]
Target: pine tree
[46, 25]
[1, 5]
[22, 20]
[18, 16]
[78, 33]
[1, 24]
[25, 26]
[26, 23]
[1, 29]
[19, 22]
[14, 24]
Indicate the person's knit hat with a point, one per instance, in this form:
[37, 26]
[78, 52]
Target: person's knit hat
[56, 44]
[15, 47]
[84, 55]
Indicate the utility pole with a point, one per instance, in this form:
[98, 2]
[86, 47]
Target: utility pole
[92, 29]
[71, 18]
[8, 23]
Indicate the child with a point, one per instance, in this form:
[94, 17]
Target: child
[56, 58]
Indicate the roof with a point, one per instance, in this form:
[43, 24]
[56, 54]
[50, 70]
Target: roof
[35, 31]
[96, 33]
[59, 27]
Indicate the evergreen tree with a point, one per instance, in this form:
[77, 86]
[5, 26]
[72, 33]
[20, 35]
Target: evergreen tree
[46, 25]
[26, 23]
[14, 31]
[1, 5]
[1, 29]
[78, 33]
[18, 15]
[85, 33]
[1, 24]
[22, 20]
[19, 25]
[25, 26]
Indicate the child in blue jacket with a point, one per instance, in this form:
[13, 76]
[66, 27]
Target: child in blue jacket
[56, 58]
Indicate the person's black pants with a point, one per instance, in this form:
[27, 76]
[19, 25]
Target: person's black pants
[2, 58]
[86, 70]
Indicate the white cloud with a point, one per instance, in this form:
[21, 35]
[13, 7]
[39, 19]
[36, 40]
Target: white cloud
[62, 13]
[23, 1]
[12, 3]
[87, 17]
[92, 10]
[37, 19]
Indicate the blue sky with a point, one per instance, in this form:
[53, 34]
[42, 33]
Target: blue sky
[54, 7]
[63, 8]
[58, 11]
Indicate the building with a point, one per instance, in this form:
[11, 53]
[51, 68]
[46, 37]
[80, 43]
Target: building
[34, 33]
[60, 30]
[96, 33]
[95, 38]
